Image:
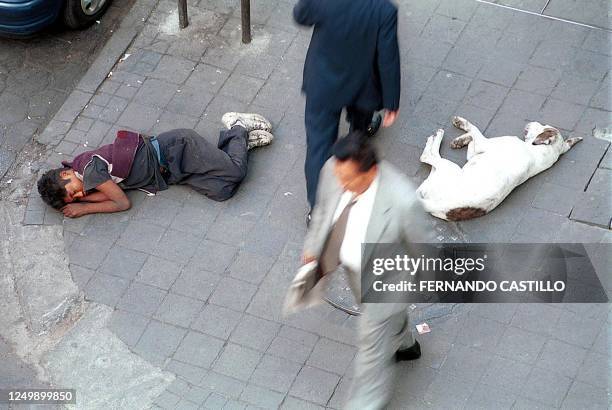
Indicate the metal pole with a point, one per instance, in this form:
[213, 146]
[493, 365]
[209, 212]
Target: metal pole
[182, 12]
[245, 11]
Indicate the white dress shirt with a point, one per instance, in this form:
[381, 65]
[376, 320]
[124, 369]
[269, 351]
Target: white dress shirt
[356, 226]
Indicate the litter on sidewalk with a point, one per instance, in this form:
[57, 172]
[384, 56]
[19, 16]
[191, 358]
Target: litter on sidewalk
[423, 328]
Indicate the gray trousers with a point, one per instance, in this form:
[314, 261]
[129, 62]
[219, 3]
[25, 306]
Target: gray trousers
[214, 171]
[383, 329]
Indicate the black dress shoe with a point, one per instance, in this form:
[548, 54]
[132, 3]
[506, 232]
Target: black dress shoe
[411, 353]
[308, 219]
[374, 125]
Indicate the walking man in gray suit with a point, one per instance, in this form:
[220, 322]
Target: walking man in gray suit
[363, 200]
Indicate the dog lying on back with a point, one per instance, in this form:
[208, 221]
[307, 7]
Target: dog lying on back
[495, 167]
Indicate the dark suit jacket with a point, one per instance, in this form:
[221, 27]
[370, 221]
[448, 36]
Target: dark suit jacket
[353, 58]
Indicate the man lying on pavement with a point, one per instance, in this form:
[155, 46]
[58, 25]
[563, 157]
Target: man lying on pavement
[94, 181]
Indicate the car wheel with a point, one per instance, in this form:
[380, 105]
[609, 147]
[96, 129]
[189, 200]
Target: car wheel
[83, 13]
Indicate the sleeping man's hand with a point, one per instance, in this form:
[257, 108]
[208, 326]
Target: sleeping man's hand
[73, 210]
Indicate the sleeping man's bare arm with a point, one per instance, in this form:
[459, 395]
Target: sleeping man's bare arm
[108, 198]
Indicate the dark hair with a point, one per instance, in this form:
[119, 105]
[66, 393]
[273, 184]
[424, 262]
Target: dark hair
[356, 146]
[52, 188]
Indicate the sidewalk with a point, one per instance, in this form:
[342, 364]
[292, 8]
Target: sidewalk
[196, 286]
[37, 74]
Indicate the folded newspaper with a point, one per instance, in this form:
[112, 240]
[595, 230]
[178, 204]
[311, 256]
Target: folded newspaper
[306, 289]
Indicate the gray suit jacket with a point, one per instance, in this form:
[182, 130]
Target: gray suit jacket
[397, 217]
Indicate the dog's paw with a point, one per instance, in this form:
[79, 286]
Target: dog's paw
[460, 122]
[461, 141]
[456, 144]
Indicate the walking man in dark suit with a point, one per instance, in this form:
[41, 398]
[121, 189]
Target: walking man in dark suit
[352, 62]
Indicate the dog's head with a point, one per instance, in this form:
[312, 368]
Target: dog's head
[538, 134]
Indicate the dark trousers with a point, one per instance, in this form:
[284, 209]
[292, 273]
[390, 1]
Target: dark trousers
[321, 134]
[212, 171]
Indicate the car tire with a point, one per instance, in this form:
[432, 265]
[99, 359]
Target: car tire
[79, 14]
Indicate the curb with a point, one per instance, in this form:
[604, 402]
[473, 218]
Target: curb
[121, 39]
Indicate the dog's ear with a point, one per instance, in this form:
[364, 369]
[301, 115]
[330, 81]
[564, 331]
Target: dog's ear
[546, 137]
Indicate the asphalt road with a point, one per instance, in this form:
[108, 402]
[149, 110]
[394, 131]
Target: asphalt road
[38, 74]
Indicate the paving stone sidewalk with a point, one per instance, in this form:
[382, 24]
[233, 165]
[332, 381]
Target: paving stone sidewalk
[38, 74]
[197, 285]
[597, 14]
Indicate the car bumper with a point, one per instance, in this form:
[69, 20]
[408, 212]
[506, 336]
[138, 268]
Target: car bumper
[26, 17]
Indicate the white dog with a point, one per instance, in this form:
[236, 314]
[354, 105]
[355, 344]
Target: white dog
[495, 167]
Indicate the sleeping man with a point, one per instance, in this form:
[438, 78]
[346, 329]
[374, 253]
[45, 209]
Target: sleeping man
[94, 181]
